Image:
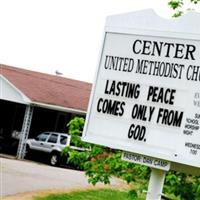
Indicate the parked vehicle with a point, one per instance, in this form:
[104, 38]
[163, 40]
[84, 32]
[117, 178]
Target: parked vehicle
[51, 143]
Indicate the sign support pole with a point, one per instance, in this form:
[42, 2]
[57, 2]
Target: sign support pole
[156, 184]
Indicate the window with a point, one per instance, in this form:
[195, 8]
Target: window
[53, 138]
[63, 140]
[42, 137]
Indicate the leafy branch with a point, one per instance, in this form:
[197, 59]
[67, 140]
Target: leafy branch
[177, 6]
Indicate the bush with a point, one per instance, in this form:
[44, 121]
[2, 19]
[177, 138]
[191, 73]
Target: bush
[101, 163]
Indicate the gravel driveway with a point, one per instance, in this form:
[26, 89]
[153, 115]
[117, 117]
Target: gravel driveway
[25, 176]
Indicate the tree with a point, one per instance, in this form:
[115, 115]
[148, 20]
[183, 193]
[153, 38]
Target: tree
[101, 163]
[178, 6]
[76, 157]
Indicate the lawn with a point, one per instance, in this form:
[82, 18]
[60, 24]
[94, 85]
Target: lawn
[100, 194]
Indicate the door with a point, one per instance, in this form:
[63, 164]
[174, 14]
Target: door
[39, 143]
[51, 142]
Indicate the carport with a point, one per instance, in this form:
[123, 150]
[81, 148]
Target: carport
[33, 102]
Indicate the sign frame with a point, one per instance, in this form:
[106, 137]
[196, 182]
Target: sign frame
[134, 24]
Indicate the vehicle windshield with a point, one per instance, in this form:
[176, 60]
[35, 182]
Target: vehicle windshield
[42, 137]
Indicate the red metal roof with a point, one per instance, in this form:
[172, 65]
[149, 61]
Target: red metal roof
[49, 89]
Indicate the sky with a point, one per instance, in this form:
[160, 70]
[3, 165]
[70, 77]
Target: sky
[63, 35]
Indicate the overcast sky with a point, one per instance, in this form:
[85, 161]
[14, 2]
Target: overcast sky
[64, 35]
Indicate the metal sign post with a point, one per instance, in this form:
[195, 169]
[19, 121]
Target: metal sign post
[156, 184]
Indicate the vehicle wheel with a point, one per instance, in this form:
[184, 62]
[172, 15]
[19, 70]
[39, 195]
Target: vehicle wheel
[54, 159]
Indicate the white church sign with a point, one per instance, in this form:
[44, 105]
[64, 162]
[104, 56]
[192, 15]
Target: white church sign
[146, 97]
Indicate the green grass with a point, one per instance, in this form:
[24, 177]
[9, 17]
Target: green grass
[100, 194]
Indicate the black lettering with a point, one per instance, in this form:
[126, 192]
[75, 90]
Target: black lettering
[168, 45]
[146, 47]
[190, 51]
[122, 108]
[150, 92]
[106, 64]
[161, 95]
[137, 132]
[164, 49]
[157, 47]
[112, 88]
[151, 111]
[179, 51]
[117, 93]
[169, 117]
[98, 105]
[123, 89]
[111, 107]
[139, 112]
[134, 46]
[193, 73]
[106, 88]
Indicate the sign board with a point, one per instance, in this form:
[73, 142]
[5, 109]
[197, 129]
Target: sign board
[146, 97]
[146, 160]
